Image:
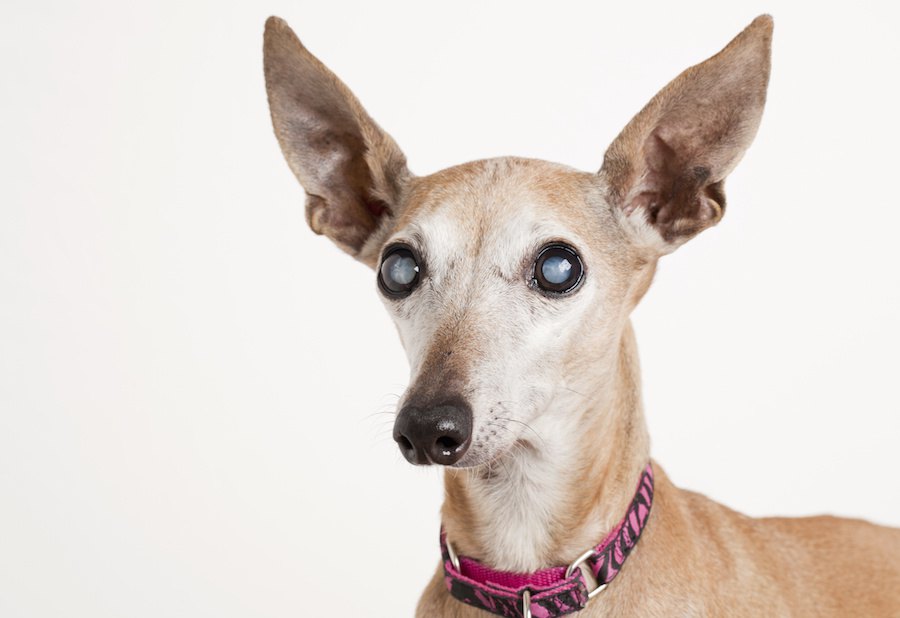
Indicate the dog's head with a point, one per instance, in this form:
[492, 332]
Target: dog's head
[511, 280]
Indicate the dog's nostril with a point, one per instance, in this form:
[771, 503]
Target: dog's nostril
[447, 444]
[404, 442]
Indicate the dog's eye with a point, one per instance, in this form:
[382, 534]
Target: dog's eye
[399, 272]
[558, 269]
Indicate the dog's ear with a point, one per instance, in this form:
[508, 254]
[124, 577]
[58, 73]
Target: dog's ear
[352, 171]
[666, 170]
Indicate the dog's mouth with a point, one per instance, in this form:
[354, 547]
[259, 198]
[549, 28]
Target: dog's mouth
[497, 464]
[448, 435]
[472, 454]
[489, 460]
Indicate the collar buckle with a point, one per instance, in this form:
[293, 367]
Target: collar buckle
[454, 559]
[577, 564]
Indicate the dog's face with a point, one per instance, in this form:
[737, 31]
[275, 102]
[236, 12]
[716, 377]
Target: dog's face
[511, 280]
[502, 276]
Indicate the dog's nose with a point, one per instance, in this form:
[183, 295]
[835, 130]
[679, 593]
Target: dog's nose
[438, 434]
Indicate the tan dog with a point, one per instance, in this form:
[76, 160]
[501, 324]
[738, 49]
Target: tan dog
[511, 282]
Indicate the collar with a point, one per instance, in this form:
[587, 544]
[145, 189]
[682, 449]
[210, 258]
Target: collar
[556, 591]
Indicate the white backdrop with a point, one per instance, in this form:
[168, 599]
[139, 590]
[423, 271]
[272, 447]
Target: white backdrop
[190, 380]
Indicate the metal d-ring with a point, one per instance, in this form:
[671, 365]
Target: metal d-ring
[578, 562]
[526, 604]
[454, 559]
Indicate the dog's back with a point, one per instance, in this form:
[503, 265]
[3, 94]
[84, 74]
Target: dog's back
[734, 565]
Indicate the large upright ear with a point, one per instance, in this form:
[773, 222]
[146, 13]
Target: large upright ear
[666, 170]
[352, 171]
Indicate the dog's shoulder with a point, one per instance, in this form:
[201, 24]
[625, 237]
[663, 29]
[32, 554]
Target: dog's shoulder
[820, 565]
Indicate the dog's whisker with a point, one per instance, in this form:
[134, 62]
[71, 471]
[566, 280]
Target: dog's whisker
[525, 425]
[572, 390]
[379, 413]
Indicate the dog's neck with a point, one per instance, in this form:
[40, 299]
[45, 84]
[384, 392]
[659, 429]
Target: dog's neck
[561, 491]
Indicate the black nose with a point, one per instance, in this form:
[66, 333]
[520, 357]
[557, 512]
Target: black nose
[438, 434]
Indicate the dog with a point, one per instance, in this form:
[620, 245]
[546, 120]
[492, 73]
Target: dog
[511, 282]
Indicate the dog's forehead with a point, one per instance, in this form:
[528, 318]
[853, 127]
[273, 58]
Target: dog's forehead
[500, 207]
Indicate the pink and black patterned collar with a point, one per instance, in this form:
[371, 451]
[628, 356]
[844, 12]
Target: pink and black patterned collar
[552, 592]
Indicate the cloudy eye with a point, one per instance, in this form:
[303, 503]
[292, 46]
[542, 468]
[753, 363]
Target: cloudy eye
[558, 269]
[399, 272]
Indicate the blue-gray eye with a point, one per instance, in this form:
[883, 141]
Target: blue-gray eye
[399, 272]
[557, 269]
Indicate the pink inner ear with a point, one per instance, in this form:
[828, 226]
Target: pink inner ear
[676, 194]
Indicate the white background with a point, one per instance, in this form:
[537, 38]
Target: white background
[190, 379]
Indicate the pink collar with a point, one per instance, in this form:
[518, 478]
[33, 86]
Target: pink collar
[552, 592]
